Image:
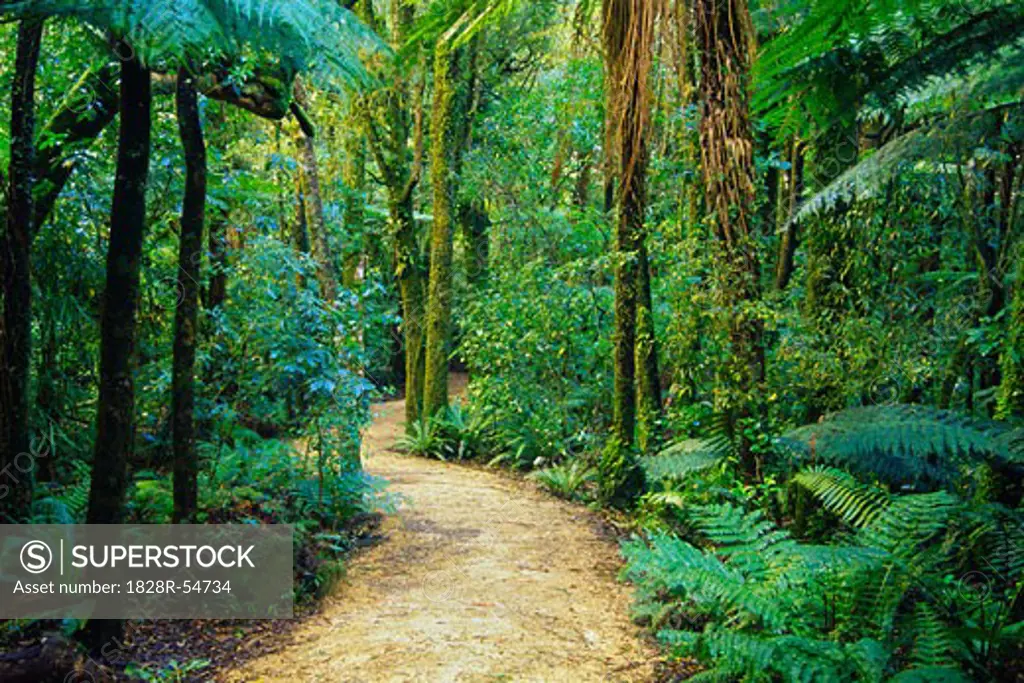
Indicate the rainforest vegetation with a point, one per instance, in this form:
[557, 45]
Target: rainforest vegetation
[745, 277]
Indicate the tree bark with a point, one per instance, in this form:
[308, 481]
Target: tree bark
[354, 178]
[724, 35]
[116, 408]
[400, 169]
[15, 476]
[217, 290]
[317, 224]
[444, 130]
[789, 240]
[648, 375]
[412, 289]
[190, 252]
[475, 225]
[628, 38]
[1011, 391]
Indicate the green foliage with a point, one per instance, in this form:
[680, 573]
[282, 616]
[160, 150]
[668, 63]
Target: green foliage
[304, 35]
[876, 605]
[172, 672]
[907, 446]
[569, 480]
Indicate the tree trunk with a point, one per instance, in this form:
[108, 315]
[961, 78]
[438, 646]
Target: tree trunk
[116, 408]
[412, 288]
[15, 476]
[628, 37]
[444, 129]
[354, 178]
[217, 291]
[724, 35]
[1011, 392]
[789, 239]
[475, 224]
[317, 224]
[648, 375]
[400, 168]
[190, 252]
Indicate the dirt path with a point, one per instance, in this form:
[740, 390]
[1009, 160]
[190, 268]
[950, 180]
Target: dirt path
[481, 578]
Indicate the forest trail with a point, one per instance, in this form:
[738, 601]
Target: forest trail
[480, 578]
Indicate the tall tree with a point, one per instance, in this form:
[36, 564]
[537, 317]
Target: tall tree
[648, 384]
[628, 29]
[315, 220]
[388, 138]
[17, 277]
[444, 130]
[115, 415]
[724, 35]
[190, 251]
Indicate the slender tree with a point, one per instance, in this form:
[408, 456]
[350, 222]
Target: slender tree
[648, 395]
[17, 277]
[724, 37]
[1011, 391]
[315, 220]
[190, 251]
[628, 29]
[388, 139]
[115, 415]
[444, 129]
[15, 252]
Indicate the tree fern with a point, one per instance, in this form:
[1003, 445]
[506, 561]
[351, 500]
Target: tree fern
[910, 446]
[316, 36]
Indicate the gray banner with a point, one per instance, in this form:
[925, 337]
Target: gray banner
[158, 571]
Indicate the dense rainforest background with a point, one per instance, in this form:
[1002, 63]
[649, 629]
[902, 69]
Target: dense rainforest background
[746, 275]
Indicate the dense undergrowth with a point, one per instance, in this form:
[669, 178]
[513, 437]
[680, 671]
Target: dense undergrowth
[750, 271]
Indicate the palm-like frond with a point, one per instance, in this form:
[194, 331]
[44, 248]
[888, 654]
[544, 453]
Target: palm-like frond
[843, 53]
[316, 36]
[905, 445]
[457, 21]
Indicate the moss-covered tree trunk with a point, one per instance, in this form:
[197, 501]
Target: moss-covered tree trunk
[1011, 391]
[217, 239]
[648, 399]
[388, 140]
[316, 222]
[628, 38]
[15, 475]
[476, 224]
[724, 33]
[412, 286]
[353, 176]
[442, 156]
[787, 206]
[115, 415]
[190, 252]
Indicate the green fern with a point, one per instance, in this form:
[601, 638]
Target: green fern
[915, 447]
[567, 480]
[691, 456]
[873, 605]
[315, 36]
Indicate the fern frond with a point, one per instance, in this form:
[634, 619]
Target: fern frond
[909, 523]
[931, 675]
[745, 539]
[680, 460]
[903, 445]
[934, 647]
[841, 494]
[315, 36]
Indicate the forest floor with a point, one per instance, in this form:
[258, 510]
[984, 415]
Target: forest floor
[480, 577]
